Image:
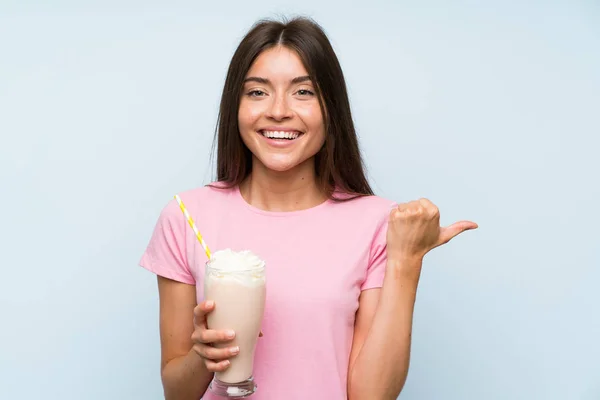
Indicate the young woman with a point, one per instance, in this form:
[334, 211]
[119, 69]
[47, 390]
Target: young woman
[343, 265]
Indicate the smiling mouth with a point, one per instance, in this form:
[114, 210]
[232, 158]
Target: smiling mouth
[281, 135]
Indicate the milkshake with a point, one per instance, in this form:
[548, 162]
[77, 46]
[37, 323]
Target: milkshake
[235, 281]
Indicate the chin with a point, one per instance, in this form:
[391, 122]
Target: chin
[279, 165]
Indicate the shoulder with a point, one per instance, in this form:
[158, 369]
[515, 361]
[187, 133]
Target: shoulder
[373, 202]
[198, 199]
[367, 206]
[214, 191]
[365, 215]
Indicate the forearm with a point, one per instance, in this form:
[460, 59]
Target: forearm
[381, 366]
[185, 378]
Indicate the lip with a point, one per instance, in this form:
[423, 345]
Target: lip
[278, 143]
[279, 129]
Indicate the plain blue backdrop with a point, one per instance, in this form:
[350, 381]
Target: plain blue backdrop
[489, 108]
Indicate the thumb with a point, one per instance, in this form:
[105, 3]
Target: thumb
[450, 232]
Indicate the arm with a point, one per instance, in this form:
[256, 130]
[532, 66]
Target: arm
[184, 375]
[380, 353]
[381, 350]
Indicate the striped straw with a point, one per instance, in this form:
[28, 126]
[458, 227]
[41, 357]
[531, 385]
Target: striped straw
[193, 225]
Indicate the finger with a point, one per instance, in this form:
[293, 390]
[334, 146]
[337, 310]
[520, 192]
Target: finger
[412, 207]
[212, 336]
[217, 366]
[200, 312]
[398, 211]
[450, 232]
[215, 354]
[402, 206]
[204, 308]
[426, 203]
[430, 208]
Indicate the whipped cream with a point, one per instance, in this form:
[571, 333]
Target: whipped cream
[235, 267]
[228, 260]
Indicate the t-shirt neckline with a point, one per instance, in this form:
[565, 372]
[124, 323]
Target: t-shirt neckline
[238, 195]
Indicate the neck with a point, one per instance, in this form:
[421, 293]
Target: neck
[292, 190]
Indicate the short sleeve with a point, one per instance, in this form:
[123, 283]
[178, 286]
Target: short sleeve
[377, 256]
[166, 252]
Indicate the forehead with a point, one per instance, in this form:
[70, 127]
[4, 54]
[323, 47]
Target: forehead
[277, 62]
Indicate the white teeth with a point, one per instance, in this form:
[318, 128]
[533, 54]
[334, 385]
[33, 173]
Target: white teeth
[280, 134]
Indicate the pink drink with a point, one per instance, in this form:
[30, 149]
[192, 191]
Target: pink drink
[235, 281]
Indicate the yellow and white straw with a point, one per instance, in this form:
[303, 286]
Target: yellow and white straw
[193, 225]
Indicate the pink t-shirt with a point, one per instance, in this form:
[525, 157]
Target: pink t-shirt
[317, 263]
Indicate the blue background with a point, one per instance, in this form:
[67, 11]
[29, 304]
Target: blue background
[489, 108]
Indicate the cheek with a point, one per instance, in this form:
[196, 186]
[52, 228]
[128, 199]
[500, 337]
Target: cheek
[318, 126]
[319, 145]
[312, 117]
[248, 115]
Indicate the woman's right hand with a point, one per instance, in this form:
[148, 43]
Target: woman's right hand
[215, 359]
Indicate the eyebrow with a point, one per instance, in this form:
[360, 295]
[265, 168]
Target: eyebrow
[265, 81]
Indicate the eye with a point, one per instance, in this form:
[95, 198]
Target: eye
[256, 93]
[305, 92]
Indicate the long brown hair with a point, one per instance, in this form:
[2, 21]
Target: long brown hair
[339, 166]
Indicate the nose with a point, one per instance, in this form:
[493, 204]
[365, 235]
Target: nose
[279, 109]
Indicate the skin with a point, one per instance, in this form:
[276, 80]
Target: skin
[283, 179]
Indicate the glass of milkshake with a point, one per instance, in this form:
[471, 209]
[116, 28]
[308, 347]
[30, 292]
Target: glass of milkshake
[235, 281]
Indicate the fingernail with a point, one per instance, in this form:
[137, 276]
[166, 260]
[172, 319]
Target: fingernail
[230, 334]
[234, 350]
[226, 363]
[210, 303]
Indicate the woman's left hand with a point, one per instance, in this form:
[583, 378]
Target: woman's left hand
[414, 230]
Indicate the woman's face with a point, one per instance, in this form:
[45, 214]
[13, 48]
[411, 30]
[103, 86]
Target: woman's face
[280, 118]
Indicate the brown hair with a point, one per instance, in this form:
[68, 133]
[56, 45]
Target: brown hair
[338, 165]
